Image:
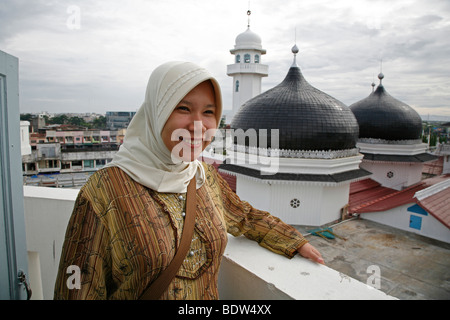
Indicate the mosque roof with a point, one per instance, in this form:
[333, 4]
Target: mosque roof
[307, 118]
[248, 40]
[381, 116]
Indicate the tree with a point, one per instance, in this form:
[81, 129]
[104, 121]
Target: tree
[26, 117]
[77, 121]
[61, 119]
[433, 140]
[99, 123]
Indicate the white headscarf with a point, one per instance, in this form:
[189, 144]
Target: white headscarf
[143, 154]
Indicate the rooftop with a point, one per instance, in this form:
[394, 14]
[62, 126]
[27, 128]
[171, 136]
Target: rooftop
[381, 116]
[432, 194]
[412, 267]
[305, 117]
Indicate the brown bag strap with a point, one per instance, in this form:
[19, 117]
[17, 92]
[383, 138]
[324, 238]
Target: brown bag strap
[156, 289]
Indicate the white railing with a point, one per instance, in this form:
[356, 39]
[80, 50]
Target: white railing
[248, 68]
[248, 271]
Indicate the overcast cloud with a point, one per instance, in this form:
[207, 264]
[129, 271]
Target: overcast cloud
[96, 56]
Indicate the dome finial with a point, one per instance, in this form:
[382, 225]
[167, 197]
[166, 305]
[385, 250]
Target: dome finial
[295, 50]
[248, 14]
[373, 83]
[381, 75]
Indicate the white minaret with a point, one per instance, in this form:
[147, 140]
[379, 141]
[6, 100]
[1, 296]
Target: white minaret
[247, 69]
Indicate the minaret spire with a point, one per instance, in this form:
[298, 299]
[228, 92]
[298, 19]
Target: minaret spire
[248, 14]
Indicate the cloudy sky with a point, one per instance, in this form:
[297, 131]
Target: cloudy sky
[96, 56]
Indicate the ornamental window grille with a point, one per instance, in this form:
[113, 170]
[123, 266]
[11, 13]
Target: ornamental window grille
[295, 203]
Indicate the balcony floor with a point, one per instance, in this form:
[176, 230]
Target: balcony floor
[412, 267]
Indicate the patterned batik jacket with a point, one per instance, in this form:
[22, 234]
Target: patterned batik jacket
[121, 235]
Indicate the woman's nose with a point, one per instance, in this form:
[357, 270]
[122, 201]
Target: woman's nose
[197, 127]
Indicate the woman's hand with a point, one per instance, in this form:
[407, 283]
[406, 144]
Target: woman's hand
[308, 251]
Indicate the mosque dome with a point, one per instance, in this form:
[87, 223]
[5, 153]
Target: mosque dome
[381, 116]
[248, 40]
[307, 118]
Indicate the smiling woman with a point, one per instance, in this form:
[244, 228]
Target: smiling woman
[129, 219]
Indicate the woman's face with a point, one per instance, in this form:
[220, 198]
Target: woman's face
[192, 124]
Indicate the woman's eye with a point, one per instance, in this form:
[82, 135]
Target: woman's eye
[183, 108]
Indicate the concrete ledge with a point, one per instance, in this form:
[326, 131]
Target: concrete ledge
[251, 272]
[50, 193]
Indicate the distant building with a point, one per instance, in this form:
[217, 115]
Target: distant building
[59, 151]
[38, 122]
[25, 146]
[118, 119]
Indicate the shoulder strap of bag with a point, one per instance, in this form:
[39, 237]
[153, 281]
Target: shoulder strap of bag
[156, 289]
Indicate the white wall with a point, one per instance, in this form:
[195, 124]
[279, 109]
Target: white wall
[404, 174]
[47, 213]
[334, 199]
[399, 218]
[319, 204]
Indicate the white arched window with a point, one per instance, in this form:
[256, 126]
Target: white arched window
[237, 86]
[247, 58]
[256, 58]
[238, 58]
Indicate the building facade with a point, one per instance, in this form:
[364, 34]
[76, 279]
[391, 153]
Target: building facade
[70, 151]
[119, 119]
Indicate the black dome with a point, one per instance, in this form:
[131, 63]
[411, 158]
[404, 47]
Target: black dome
[307, 118]
[381, 116]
